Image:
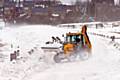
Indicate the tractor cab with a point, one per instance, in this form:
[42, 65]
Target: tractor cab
[72, 41]
[73, 38]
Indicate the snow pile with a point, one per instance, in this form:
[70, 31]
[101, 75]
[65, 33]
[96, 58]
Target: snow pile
[23, 66]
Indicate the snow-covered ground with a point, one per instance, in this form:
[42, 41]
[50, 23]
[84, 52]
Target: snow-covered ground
[104, 63]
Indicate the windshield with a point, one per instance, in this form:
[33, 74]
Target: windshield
[75, 38]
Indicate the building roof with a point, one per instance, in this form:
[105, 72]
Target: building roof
[40, 10]
[28, 3]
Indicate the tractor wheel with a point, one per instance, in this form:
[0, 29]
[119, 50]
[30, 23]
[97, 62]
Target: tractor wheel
[84, 55]
[57, 58]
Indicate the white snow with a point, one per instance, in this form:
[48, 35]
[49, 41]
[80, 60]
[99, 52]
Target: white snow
[103, 64]
[2, 24]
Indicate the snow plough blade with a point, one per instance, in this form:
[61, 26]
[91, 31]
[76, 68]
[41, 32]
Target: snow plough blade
[50, 49]
[56, 55]
[55, 52]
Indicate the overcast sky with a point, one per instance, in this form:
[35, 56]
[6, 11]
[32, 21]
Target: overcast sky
[117, 2]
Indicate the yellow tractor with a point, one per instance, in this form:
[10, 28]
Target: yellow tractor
[73, 45]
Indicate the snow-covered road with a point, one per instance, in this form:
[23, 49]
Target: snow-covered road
[104, 63]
